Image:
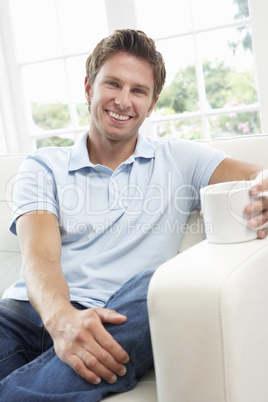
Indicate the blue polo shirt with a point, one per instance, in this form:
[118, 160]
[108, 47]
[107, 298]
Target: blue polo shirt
[113, 224]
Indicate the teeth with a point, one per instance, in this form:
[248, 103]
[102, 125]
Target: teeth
[118, 116]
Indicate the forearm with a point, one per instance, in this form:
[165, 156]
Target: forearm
[47, 289]
[232, 170]
[46, 285]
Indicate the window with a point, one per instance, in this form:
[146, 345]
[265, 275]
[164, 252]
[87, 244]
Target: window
[211, 87]
[213, 70]
[52, 43]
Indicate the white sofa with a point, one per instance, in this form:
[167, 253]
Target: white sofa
[208, 306]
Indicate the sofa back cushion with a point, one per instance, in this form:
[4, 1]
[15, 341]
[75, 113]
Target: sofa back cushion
[10, 256]
[9, 165]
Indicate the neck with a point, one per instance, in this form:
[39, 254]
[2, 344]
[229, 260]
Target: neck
[110, 153]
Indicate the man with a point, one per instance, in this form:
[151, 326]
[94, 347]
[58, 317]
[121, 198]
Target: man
[93, 224]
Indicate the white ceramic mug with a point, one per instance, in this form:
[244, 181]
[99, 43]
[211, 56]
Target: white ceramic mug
[223, 206]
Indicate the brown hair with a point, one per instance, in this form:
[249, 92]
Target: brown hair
[131, 41]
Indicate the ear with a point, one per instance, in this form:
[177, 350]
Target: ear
[152, 107]
[87, 89]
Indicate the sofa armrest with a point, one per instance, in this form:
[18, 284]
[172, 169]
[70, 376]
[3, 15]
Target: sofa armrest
[208, 309]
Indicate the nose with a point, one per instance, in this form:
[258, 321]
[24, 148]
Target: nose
[123, 99]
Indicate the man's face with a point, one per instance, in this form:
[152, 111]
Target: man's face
[121, 96]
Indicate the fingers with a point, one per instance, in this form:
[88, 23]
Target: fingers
[259, 211]
[78, 365]
[257, 221]
[101, 353]
[101, 362]
[110, 316]
[262, 233]
[91, 350]
[90, 368]
[256, 189]
[103, 337]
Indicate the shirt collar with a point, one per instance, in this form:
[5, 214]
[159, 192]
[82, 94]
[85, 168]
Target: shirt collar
[79, 155]
[145, 148]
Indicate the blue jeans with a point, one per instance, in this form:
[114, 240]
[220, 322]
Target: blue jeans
[31, 371]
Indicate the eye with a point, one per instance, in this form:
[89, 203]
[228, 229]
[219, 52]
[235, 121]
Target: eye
[112, 84]
[138, 91]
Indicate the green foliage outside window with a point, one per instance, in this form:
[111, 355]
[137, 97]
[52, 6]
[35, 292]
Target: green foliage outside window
[225, 87]
[190, 129]
[49, 116]
[245, 38]
[83, 114]
[54, 141]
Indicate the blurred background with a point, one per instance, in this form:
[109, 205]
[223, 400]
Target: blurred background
[215, 54]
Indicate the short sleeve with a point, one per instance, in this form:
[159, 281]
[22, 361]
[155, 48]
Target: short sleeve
[34, 189]
[197, 163]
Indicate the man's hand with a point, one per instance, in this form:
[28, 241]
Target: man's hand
[259, 207]
[82, 342]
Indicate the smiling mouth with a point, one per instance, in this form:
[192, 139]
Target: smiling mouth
[119, 117]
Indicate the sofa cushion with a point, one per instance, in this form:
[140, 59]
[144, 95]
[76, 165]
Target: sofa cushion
[8, 242]
[250, 148]
[9, 166]
[10, 263]
[145, 391]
